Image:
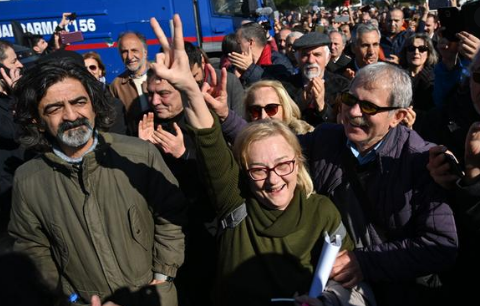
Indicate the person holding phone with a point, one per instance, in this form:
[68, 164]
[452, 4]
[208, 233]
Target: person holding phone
[465, 190]
[11, 153]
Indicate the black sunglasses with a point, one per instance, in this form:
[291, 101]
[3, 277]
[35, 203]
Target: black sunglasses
[421, 49]
[256, 110]
[366, 107]
[92, 67]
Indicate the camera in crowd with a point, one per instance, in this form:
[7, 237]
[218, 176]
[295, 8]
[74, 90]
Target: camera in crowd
[453, 20]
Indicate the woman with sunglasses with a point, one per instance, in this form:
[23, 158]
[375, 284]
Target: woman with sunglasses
[269, 100]
[419, 57]
[266, 99]
[95, 66]
[272, 224]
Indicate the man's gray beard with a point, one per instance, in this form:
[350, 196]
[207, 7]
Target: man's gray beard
[140, 65]
[309, 74]
[75, 137]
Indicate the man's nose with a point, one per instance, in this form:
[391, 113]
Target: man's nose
[69, 114]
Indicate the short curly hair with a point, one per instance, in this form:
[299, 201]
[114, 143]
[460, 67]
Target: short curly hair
[33, 86]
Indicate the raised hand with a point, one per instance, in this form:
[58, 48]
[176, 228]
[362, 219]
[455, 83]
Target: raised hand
[169, 143]
[173, 66]
[11, 78]
[469, 45]
[217, 98]
[410, 117]
[146, 128]
[242, 61]
[439, 168]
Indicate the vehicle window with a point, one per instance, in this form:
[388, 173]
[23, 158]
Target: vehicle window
[227, 7]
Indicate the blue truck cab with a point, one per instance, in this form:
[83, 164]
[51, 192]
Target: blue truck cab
[205, 22]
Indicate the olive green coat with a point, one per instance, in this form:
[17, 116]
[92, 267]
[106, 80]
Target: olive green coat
[107, 223]
[271, 253]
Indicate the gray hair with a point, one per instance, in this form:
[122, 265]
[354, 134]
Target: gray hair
[253, 31]
[344, 37]
[382, 75]
[139, 35]
[295, 34]
[364, 28]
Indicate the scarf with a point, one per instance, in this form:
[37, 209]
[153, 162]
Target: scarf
[266, 56]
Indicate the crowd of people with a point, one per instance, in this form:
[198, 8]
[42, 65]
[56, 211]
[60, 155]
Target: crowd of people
[186, 183]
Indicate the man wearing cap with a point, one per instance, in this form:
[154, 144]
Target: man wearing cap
[315, 89]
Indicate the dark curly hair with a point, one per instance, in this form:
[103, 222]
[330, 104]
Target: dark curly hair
[33, 86]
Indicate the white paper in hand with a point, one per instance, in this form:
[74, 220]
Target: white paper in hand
[325, 264]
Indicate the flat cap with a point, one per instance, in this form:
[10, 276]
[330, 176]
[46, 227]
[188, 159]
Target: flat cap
[312, 39]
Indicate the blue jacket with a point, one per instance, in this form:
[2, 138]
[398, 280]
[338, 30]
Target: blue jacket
[410, 230]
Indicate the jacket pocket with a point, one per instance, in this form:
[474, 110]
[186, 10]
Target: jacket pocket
[139, 225]
[59, 247]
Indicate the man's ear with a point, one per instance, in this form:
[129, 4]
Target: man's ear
[36, 49]
[398, 117]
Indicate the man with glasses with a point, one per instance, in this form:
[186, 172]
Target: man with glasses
[374, 170]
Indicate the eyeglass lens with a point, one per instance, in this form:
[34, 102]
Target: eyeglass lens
[421, 49]
[256, 110]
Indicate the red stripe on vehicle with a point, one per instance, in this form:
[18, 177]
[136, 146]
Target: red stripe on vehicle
[150, 42]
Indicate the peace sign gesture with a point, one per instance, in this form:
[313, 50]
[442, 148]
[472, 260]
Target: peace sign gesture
[172, 65]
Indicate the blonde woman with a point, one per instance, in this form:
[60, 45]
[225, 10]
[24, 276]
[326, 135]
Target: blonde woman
[272, 223]
[269, 99]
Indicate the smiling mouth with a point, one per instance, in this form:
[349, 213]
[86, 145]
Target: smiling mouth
[275, 190]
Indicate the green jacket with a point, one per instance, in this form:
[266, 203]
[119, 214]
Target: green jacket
[271, 253]
[105, 224]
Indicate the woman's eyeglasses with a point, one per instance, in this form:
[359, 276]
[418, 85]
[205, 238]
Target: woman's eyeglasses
[421, 49]
[92, 67]
[366, 107]
[281, 169]
[256, 110]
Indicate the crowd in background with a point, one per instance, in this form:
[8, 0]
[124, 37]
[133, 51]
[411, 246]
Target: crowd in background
[360, 122]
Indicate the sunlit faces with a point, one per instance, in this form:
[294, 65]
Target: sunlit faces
[275, 191]
[11, 61]
[40, 46]
[395, 21]
[417, 54]
[367, 130]
[282, 40]
[262, 97]
[430, 25]
[337, 45]
[346, 30]
[133, 53]
[367, 48]
[67, 114]
[164, 99]
[92, 67]
[312, 61]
